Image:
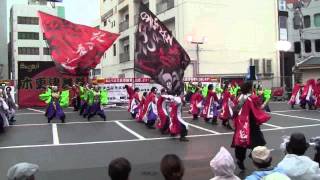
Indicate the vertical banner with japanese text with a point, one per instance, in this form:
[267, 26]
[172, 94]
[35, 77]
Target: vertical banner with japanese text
[33, 76]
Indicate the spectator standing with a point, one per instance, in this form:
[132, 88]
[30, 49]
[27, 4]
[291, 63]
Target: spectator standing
[261, 157]
[119, 169]
[295, 164]
[172, 167]
[23, 171]
[223, 166]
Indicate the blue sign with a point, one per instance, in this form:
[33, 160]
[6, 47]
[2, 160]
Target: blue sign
[55, 0]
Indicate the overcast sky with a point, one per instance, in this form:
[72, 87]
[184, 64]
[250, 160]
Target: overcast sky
[79, 11]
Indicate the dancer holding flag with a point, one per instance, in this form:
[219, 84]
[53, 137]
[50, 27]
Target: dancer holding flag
[227, 107]
[133, 106]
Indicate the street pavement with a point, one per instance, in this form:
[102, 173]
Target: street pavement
[81, 150]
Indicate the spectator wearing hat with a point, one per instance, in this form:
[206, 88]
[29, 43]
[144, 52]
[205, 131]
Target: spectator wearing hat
[23, 171]
[223, 166]
[261, 157]
[119, 169]
[295, 164]
[172, 167]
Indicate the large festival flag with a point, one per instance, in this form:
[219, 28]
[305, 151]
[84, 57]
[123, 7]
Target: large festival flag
[158, 54]
[75, 48]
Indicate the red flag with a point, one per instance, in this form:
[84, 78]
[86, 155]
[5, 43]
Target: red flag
[75, 48]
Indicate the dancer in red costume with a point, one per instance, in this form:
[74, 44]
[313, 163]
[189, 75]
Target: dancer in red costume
[177, 124]
[317, 94]
[210, 110]
[141, 106]
[227, 106]
[149, 114]
[248, 118]
[307, 96]
[196, 104]
[164, 119]
[296, 94]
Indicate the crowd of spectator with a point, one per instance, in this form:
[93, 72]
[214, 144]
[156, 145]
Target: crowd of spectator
[295, 165]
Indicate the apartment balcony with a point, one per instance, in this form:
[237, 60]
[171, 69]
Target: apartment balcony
[120, 1]
[123, 26]
[164, 5]
[124, 57]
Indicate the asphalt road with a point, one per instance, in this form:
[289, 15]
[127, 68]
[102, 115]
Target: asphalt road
[81, 150]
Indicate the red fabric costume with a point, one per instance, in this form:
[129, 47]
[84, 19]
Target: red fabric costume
[196, 99]
[131, 93]
[227, 105]
[295, 91]
[317, 95]
[210, 99]
[162, 112]
[149, 99]
[310, 84]
[250, 108]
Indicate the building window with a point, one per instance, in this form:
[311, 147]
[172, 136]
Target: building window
[317, 44]
[46, 51]
[44, 37]
[256, 65]
[307, 21]
[28, 35]
[28, 20]
[297, 47]
[269, 66]
[307, 46]
[283, 22]
[114, 50]
[28, 51]
[96, 72]
[296, 20]
[317, 20]
[104, 23]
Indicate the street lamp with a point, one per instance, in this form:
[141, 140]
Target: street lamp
[283, 46]
[197, 43]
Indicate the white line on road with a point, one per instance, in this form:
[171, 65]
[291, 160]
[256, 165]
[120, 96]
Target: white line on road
[298, 117]
[271, 125]
[297, 110]
[36, 110]
[130, 130]
[204, 129]
[142, 140]
[55, 134]
[89, 122]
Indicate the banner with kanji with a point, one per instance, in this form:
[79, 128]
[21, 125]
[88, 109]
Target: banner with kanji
[74, 48]
[158, 54]
[34, 76]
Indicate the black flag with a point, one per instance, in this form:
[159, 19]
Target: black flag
[158, 54]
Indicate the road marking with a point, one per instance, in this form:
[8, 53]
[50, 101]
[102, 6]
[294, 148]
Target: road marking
[130, 130]
[55, 134]
[204, 129]
[36, 110]
[88, 122]
[271, 125]
[298, 117]
[297, 110]
[142, 140]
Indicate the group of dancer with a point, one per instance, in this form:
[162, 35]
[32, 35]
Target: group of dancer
[162, 111]
[220, 103]
[8, 107]
[165, 111]
[308, 94]
[88, 100]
